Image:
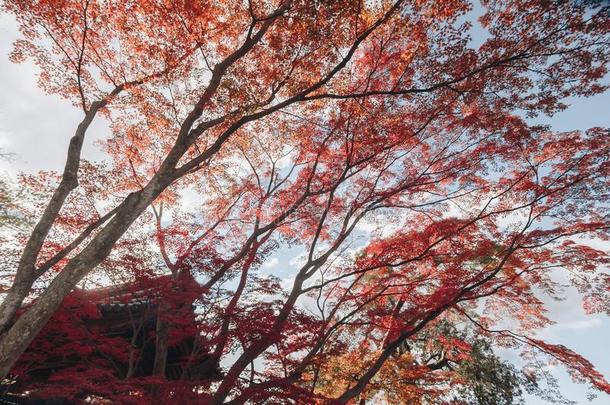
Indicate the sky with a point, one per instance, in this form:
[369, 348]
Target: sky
[36, 128]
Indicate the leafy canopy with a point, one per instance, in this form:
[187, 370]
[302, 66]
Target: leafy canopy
[375, 140]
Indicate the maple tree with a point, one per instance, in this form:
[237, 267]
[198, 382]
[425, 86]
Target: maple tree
[375, 137]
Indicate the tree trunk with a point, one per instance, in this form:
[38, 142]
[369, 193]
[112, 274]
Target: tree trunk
[11, 303]
[161, 346]
[161, 340]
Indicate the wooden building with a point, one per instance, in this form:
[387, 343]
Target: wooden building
[114, 327]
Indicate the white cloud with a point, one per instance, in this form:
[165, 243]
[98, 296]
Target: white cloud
[273, 262]
[366, 225]
[190, 199]
[35, 126]
[298, 260]
[287, 282]
[512, 219]
[582, 324]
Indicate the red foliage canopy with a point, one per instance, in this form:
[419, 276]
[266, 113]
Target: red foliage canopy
[378, 143]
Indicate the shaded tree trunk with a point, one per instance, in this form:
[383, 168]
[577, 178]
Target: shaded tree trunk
[161, 344]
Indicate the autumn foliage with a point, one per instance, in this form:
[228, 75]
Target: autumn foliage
[393, 149]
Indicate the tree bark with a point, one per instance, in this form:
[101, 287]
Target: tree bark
[161, 343]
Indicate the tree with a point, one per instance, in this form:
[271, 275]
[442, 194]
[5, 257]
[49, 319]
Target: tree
[301, 123]
[443, 364]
